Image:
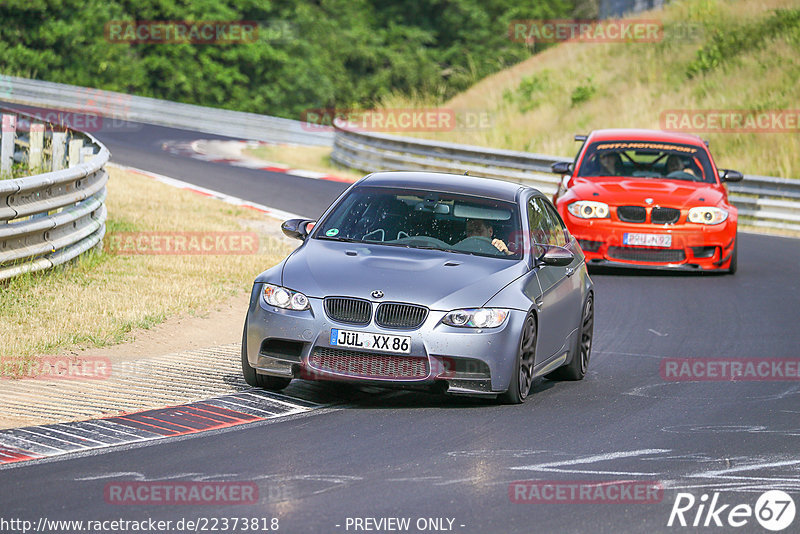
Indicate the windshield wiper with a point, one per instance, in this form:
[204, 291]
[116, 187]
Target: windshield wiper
[342, 239]
[426, 247]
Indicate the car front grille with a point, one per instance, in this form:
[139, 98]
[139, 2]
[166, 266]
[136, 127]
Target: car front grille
[633, 214]
[655, 255]
[363, 365]
[398, 315]
[664, 215]
[347, 310]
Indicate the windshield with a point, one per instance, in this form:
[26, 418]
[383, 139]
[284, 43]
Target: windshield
[425, 219]
[647, 160]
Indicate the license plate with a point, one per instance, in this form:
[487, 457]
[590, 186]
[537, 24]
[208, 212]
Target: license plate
[368, 340]
[647, 240]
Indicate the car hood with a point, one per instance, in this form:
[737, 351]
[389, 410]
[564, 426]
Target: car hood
[668, 193]
[436, 279]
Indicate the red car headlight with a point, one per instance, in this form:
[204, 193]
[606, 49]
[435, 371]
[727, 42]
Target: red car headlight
[707, 215]
[589, 209]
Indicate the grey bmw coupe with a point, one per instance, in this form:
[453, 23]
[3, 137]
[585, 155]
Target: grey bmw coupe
[458, 284]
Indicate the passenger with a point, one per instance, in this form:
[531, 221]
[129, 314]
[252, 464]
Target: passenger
[481, 228]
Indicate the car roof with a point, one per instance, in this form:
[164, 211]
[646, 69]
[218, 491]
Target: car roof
[447, 183]
[634, 134]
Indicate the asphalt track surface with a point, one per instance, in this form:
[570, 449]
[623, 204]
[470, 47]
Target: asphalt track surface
[383, 453]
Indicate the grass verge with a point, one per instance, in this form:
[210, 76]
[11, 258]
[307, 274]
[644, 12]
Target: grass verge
[102, 296]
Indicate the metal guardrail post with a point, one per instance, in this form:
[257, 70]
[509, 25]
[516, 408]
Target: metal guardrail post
[74, 157]
[9, 134]
[58, 146]
[36, 149]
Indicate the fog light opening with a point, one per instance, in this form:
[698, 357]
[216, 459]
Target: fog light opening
[590, 246]
[704, 252]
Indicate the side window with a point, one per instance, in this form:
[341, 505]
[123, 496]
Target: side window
[538, 223]
[553, 231]
[559, 232]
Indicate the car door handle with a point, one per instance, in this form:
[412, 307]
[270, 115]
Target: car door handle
[570, 271]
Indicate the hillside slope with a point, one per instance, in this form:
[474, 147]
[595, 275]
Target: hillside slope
[715, 55]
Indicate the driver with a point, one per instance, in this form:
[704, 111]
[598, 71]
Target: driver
[481, 228]
[675, 163]
[610, 164]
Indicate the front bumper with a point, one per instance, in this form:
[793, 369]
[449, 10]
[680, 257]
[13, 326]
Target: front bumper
[694, 247]
[462, 361]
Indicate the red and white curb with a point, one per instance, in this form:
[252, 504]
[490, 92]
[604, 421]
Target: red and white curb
[233, 156]
[236, 201]
[45, 441]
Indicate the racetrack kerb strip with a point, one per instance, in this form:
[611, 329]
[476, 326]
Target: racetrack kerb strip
[37, 442]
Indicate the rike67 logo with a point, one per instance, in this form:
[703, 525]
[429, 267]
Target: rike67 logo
[774, 510]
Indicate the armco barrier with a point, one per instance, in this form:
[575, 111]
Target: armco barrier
[763, 201]
[48, 219]
[159, 112]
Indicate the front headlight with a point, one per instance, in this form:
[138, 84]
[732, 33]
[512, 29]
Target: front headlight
[280, 297]
[476, 317]
[707, 215]
[589, 209]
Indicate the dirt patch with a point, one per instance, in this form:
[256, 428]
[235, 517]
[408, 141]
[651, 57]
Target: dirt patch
[222, 325]
[184, 359]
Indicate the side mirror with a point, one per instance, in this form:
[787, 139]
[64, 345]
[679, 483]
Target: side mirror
[556, 256]
[297, 228]
[561, 167]
[727, 175]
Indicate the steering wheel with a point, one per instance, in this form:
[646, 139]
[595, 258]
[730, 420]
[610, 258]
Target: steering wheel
[477, 243]
[682, 175]
[421, 241]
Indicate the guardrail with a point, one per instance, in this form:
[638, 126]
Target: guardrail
[50, 218]
[160, 112]
[763, 201]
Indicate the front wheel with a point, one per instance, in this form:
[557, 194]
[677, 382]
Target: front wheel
[576, 368]
[274, 383]
[522, 378]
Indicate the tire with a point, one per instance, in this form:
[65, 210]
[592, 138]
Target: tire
[734, 255]
[273, 383]
[522, 378]
[576, 368]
